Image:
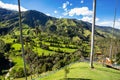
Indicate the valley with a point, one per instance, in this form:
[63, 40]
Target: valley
[50, 43]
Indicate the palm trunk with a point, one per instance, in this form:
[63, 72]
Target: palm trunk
[92, 36]
[111, 45]
[21, 39]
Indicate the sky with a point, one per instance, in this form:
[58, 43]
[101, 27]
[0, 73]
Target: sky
[76, 9]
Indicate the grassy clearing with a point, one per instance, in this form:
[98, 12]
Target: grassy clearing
[8, 40]
[17, 32]
[40, 51]
[87, 32]
[18, 60]
[16, 46]
[64, 49]
[46, 43]
[82, 71]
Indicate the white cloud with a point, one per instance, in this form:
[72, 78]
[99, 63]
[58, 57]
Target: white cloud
[86, 18]
[65, 13]
[102, 22]
[65, 4]
[82, 1]
[71, 4]
[84, 11]
[89, 19]
[47, 14]
[60, 17]
[55, 12]
[11, 6]
[109, 23]
[65, 9]
[97, 19]
[119, 19]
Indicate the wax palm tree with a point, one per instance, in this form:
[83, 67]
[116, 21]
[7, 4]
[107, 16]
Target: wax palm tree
[92, 37]
[21, 39]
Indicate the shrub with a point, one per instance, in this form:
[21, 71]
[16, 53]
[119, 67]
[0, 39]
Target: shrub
[44, 68]
[118, 58]
[18, 72]
[58, 65]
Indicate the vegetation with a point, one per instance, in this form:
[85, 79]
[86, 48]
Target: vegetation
[4, 63]
[81, 71]
[50, 43]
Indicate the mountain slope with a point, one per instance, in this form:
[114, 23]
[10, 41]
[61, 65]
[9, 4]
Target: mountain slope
[7, 14]
[71, 27]
[33, 18]
[107, 29]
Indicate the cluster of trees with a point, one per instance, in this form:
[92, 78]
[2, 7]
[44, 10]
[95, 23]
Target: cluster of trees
[51, 62]
[4, 61]
[104, 48]
[43, 63]
[66, 27]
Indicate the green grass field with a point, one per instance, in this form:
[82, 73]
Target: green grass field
[8, 40]
[40, 51]
[17, 60]
[16, 46]
[64, 49]
[82, 71]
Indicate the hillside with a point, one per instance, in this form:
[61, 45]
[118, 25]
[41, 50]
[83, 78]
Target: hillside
[82, 71]
[32, 18]
[107, 29]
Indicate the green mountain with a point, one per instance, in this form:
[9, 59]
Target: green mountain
[69, 27]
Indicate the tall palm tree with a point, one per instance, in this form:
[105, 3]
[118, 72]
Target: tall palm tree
[21, 39]
[92, 36]
[111, 44]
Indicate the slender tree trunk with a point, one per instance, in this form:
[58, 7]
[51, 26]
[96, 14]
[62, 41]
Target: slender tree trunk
[21, 39]
[92, 36]
[111, 45]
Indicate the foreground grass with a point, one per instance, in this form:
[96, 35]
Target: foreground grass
[82, 71]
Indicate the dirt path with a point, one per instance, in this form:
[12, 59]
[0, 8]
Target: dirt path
[8, 74]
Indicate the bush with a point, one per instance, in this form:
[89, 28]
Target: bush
[18, 72]
[58, 65]
[44, 47]
[44, 68]
[118, 58]
[7, 47]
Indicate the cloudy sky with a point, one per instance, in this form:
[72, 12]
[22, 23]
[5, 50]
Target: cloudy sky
[78, 9]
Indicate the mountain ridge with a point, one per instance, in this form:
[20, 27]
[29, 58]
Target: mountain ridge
[9, 19]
